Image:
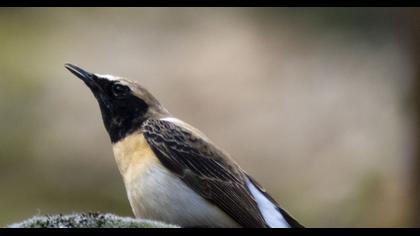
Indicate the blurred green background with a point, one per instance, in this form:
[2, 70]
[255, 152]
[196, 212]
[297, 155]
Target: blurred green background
[316, 103]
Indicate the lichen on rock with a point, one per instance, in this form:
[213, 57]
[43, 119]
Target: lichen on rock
[88, 220]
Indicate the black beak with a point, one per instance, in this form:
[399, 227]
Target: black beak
[87, 77]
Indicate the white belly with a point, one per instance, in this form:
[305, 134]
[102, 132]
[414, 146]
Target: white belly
[160, 195]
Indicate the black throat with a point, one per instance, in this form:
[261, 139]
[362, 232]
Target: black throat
[123, 117]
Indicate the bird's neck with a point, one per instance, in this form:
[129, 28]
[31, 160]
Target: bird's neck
[120, 126]
[133, 153]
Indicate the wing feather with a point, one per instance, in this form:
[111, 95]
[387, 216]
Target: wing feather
[204, 168]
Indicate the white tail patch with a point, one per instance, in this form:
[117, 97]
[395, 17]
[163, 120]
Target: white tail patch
[272, 216]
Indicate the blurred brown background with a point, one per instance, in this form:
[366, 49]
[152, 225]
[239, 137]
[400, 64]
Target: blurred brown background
[316, 103]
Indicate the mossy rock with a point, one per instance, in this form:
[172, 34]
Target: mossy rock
[88, 220]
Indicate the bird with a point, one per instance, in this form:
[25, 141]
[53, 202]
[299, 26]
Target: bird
[172, 172]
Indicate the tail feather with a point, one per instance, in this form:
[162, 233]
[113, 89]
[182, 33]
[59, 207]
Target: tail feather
[273, 214]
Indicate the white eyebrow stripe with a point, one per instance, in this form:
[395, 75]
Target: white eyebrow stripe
[108, 77]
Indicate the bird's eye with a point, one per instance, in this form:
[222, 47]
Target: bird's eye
[120, 90]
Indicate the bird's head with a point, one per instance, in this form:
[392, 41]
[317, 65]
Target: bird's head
[124, 104]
